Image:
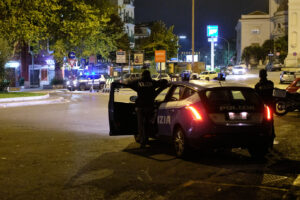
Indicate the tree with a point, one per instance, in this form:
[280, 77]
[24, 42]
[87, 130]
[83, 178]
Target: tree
[252, 54]
[267, 48]
[5, 53]
[161, 38]
[281, 46]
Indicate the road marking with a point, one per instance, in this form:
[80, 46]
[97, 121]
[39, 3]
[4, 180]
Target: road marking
[297, 181]
[189, 183]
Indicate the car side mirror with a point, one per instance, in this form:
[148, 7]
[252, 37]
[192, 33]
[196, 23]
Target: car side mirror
[133, 98]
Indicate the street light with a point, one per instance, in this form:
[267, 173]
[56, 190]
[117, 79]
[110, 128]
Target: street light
[193, 31]
[227, 48]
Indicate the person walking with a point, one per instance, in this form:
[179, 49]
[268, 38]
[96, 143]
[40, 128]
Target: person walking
[147, 89]
[265, 88]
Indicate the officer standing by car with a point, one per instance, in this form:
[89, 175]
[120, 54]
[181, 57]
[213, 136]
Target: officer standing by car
[265, 88]
[147, 89]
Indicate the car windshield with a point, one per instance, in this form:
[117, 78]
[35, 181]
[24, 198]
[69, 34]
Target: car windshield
[154, 75]
[204, 72]
[126, 76]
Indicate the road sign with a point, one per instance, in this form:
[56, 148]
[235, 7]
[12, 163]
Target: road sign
[72, 55]
[121, 57]
[212, 31]
[213, 39]
[160, 56]
[277, 53]
[270, 54]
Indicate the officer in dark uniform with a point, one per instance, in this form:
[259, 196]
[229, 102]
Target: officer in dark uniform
[265, 88]
[147, 89]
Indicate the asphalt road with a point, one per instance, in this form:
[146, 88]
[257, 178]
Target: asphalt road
[63, 151]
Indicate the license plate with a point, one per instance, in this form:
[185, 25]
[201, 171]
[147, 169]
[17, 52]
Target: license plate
[238, 116]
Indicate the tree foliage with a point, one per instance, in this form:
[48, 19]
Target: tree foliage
[254, 52]
[87, 27]
[161, 38]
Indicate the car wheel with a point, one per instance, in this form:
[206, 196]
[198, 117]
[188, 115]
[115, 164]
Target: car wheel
[82, 87]
[280, 108]
[180, 143]
[207, 78]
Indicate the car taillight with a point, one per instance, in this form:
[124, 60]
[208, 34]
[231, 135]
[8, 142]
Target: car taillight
[268, 113]
[196, 115]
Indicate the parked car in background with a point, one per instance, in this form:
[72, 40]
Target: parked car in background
[274, 66]
[208, 75]
[161, 76]
[287, 77]
[239, 70]
[130, 77]
[294, 86]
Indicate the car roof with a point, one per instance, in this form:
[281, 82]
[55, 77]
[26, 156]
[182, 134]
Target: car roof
[202, 85]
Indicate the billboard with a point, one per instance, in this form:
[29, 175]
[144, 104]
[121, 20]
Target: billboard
[121, 57]
[160, 56]
[138, 59]
[212, 31]
[189, 58]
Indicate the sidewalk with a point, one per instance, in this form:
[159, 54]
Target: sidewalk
[30, 101]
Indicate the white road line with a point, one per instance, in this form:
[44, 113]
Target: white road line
[297, 181]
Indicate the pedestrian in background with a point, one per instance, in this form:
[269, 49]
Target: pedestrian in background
[265, 88]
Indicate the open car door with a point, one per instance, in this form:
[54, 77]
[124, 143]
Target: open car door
[121, 111]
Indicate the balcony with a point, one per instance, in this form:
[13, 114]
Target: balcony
[128, 2]
[128, 20]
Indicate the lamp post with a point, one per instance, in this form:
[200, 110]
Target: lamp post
[227, 48]
[193, 31]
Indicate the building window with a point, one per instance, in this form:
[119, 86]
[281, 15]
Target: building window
[255, 31]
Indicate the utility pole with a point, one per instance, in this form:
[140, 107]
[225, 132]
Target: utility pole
[193, 32]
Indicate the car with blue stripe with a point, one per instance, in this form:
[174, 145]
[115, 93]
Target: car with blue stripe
[200, 114]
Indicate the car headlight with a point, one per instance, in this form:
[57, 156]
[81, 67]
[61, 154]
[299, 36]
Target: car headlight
[68, 82]
[75, 82]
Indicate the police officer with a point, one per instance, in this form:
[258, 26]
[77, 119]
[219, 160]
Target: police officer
[147, 89]
[265, 88]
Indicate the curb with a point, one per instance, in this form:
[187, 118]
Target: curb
[18, 99]
[33, 103]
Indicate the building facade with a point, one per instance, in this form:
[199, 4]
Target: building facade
[126, 13]
[252, 29]
[257, 27]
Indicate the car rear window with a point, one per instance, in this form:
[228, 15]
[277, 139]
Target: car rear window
[235, 99]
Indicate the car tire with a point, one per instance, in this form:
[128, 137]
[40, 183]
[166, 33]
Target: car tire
[280, 108]
[207, 78]
[82, 87]
[179, 142]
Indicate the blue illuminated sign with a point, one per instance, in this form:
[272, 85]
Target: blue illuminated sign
[212, 31]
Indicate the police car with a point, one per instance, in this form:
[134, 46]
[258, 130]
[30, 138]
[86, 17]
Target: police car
[85, 82]
[200, 114]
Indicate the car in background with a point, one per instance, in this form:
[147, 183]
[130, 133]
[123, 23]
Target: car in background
[294, 86]
[130, 77]
[161, 76]
[208, 75]
[274, 66]
[287, 77]
[199, 115]
[239, 70]
[86, 82]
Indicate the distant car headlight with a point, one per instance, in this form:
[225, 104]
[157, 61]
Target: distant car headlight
[68, 82]
[75, 82]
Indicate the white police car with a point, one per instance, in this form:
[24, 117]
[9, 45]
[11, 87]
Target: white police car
[200, 114]
[85, 82]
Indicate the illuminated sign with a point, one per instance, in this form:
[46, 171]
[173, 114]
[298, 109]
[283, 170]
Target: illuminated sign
[212, 31]
[160, 56]
[189, 58]
[121, 57]
[214, 39]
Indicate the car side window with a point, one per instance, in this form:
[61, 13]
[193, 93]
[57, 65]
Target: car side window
[187, 93]
[162, 95]
[177, 94]
[298, 84]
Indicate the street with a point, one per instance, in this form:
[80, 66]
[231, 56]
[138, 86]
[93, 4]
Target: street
[63, 151]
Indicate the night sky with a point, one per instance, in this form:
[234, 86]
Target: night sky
[224, 13]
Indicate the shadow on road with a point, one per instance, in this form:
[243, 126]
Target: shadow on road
[155, 172]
